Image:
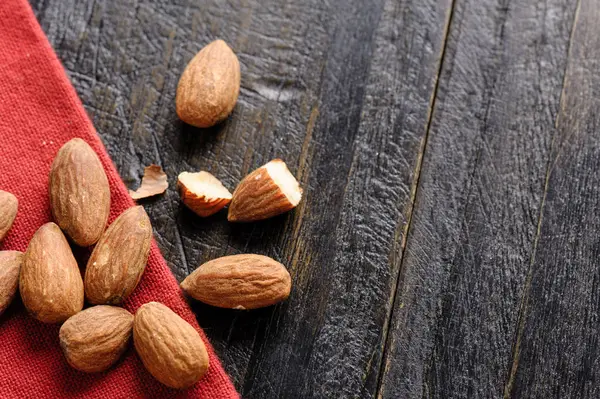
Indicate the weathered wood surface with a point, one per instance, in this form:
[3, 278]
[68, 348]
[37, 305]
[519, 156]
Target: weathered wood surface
[445, 247]
[478, 203]
[559, 355]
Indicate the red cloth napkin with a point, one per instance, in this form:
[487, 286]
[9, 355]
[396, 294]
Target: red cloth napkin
[39, 112]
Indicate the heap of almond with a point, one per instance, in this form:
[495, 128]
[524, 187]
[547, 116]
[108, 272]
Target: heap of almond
[53, 290]
[48, 276]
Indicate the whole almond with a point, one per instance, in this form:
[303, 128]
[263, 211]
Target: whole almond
[268, 191]
[50, 282]
[239, 282]
[119, 259]
[209, 86]
[79, 192]
[169, 347]
[10, 265]
[95, 338]
[8, 212]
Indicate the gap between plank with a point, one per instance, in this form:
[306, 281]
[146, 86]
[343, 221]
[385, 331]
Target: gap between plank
[413, 196]
[516, 352]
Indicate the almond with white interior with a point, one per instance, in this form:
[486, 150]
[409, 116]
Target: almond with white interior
[203, 193]
[268, 191]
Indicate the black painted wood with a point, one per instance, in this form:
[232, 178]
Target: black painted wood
[559, 356]
[341, 90]
[446, 245]
[477, 207]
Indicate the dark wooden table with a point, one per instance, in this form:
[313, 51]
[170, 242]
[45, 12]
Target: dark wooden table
[448, 243]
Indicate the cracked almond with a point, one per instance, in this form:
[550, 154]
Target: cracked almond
[203, 193]
[268, 191]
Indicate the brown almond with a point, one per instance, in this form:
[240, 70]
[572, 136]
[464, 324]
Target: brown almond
[239, 282]
[50, 282]
[10, 265]
[119, 259]
[94, 339]
[209, 86]
[8, 212]
[170, 348]
[268, 191]
[79, 192]
[203, 193]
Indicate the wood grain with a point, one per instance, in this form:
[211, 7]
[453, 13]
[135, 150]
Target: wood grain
[559, 353]
[341, 90]
[478, 202]
[446, 244]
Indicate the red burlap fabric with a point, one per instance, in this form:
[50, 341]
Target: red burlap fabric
[39, 111]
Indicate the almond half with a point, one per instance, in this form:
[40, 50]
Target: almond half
[202, 193]
[268, 191]
[8, 212]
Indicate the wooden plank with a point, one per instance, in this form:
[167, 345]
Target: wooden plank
[558, 355]
[342, 91]
[478, 200]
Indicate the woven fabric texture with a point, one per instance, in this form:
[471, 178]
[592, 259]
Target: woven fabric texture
[39, 112]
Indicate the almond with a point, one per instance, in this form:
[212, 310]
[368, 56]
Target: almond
[50, 282]
[209, 86]
[95, 338]
[169, 347]
[10, 265]
[239, 282]
[79, 192]
[8, 212]
[268, 191]
[203, 193]
[119, 259]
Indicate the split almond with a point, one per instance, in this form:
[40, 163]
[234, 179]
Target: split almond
[239, 282]
[8, 212]
[209, 86]
[170, 348]
[50, 282]
[94, 339]
[203, 193]
[79, 192]
[10, 265]
[268, 191]
[119, 259]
